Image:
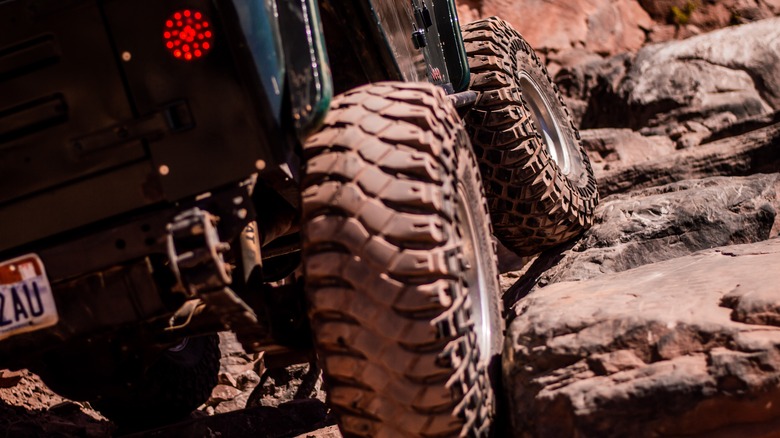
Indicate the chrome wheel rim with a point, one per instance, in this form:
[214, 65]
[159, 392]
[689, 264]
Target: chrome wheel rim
[476, 282]
[546, 122]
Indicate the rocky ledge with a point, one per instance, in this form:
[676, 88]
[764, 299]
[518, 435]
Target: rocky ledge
[664, 318]
[682, 347]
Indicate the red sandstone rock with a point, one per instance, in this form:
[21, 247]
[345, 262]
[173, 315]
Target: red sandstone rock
[672, 348]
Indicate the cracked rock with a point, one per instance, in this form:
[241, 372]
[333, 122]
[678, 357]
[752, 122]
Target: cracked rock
[754, 151]
[688, 346]
[733, 70]
[609, 148]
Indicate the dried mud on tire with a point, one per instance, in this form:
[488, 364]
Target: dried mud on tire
[385, 265]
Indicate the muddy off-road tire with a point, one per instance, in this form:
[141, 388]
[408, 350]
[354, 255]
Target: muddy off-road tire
[400, 266]
[538, 179]
[170, 389]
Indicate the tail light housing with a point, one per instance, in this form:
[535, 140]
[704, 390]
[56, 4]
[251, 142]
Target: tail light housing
[187, 35]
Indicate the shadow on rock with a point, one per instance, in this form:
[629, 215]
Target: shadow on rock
[532, 276]
[65, 420]
[288, 419]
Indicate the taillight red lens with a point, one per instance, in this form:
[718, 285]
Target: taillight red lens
[187, 35]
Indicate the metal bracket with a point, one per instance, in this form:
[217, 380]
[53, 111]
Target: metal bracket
[419, 40]
[174, 117]
[423, 17]
[196, 253]
[463, 99]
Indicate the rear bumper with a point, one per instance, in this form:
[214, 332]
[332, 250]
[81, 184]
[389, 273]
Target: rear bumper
[115, 281]
[92, 306]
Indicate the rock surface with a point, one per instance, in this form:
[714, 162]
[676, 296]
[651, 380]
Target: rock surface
[662, 223]
[605, 27]
[241, 385]
[685, 346]
[290, 403]
[734, 70]
[30, 409]
[609, 149]
[559, 28]
[752, 152]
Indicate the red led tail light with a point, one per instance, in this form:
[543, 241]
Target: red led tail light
[188, 35]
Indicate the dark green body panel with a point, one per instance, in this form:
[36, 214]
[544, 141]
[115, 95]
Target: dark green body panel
[442, 60]
[76, 118]
[97, 119]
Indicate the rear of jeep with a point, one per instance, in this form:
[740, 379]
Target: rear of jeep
[131, 137]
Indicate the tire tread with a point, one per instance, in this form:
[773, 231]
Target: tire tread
[533, 206]
[380, 186]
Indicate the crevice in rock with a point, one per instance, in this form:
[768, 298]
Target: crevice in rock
[743, 126]
[530, 279]
[758, 81]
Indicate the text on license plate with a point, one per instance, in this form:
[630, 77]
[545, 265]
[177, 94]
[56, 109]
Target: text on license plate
[26, 300]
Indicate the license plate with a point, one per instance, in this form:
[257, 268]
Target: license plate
[26, 300]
